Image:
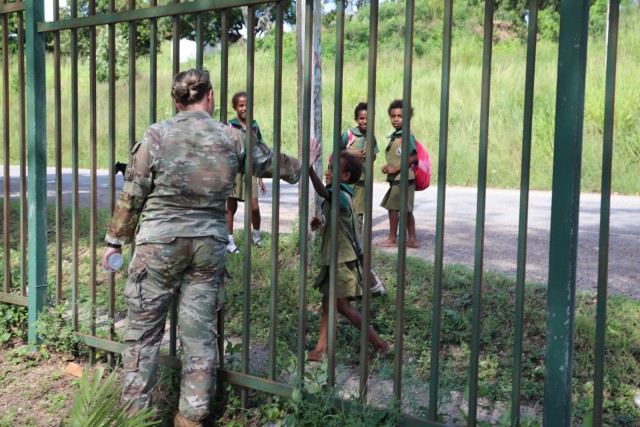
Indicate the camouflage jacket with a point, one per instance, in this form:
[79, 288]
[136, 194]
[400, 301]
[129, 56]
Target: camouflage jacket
[179, 176]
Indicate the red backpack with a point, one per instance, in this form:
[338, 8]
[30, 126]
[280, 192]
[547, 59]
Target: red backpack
[422, 169]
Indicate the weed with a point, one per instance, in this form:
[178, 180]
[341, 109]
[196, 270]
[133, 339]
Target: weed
[56, 331]
[13, 322]
[96, 404]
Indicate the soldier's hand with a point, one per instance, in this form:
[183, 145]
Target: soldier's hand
[105, 257]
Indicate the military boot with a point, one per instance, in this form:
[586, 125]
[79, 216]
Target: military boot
[182, 421]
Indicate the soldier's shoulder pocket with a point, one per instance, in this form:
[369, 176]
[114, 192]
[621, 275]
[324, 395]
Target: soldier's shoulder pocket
[128, 175]
[135, 147]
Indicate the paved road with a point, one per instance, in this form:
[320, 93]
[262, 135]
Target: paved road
[501, 227]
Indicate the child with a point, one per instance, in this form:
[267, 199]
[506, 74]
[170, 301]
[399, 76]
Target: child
[354, 141]
[391, 200]
[239, 103]
[348, 282]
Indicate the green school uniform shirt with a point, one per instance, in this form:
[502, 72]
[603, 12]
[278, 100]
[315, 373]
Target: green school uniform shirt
[393, 154]
[346, 236]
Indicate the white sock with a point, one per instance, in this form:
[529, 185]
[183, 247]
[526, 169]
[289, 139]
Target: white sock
[231, 239]
[256, 234]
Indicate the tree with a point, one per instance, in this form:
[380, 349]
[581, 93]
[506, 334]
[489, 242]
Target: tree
[143, 30]
[265, 15]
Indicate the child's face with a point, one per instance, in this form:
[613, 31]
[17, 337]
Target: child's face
[343, 175]
[241, 108]
[396, 118]
[328, 175]
[361, 120]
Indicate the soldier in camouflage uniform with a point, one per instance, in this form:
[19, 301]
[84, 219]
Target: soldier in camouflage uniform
[176, 186]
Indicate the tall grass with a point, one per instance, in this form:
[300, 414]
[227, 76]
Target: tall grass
[507, 95]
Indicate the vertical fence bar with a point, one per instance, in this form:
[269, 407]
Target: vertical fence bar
[173, 325]
[275, 189]
[605, 207]
[153, 67]
[37, 159]
[23, 157]
[516, 373]
[565, 209]
[175, 48]
[404, 198]
[112, 159]
[75, 214]
[248, 172]
[58, 151]
[438, 264]
[132, 77]
[304, 186]
[7, 153]
[335, 194]
[224, 63]
[199, 41]
[224, 83]
[368, 198]
[93, 141]
[480, 211]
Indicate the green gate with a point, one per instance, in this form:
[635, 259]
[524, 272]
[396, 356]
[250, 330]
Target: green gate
[42, 126]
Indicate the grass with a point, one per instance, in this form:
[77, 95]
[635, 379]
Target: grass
[505, 129]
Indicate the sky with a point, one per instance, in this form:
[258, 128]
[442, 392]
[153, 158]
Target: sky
[48, 8]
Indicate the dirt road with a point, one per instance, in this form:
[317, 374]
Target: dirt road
[501, 227]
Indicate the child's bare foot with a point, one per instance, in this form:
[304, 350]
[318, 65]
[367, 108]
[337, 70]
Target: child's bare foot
[388, 244]
[412, 243]
[381, 351]
[316, 356]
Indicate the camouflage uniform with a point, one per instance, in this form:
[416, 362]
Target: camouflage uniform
[173, 200]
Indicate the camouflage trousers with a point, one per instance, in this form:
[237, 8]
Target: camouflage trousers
[194, 271]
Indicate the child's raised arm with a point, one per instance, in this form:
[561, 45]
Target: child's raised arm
[315, 151]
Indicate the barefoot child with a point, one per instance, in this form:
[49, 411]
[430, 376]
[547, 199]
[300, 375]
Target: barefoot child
[391, 200]
[239, 103]
[348, 281]
[354, 141]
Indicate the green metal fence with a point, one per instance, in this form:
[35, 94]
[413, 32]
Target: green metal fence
[37, 286]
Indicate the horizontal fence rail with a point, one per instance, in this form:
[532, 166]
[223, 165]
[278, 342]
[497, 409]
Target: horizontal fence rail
[59, 265]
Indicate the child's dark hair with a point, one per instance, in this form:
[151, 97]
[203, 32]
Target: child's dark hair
[236, 96]
[351, 164]
[362, 106]
[398, 104]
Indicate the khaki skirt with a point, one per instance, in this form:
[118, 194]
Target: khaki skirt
[391, 200]
[348, 283]
[238, 188]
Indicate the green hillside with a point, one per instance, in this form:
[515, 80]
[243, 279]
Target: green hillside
[507, 94]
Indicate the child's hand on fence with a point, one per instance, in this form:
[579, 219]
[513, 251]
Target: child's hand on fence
[315, 151]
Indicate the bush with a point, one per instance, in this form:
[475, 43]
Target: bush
[13, 322]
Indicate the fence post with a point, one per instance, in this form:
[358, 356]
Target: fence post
[565, 207]
[36, 163]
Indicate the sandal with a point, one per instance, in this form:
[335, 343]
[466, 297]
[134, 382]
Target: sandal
[232, 248]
